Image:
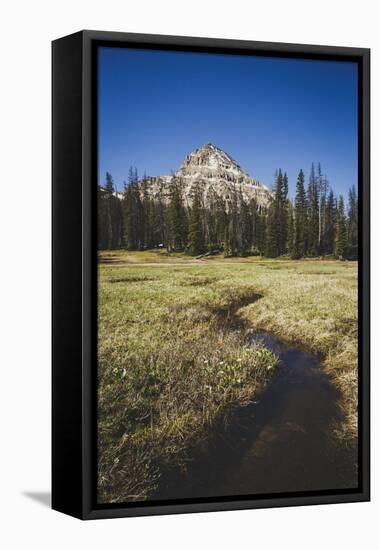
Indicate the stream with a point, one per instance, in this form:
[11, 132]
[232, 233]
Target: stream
[280, 443]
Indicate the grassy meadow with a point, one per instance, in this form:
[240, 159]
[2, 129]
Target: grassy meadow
[173, 357]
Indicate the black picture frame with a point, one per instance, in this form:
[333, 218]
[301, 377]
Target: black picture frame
[74, 173]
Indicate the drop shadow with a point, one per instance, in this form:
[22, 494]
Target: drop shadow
[41, 497]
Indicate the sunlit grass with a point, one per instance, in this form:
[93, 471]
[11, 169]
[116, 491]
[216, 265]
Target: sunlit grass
[172, 353]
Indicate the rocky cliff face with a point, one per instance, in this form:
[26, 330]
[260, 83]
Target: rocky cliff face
[215, 173]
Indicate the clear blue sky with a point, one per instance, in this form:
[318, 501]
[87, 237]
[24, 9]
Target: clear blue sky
[155, 107]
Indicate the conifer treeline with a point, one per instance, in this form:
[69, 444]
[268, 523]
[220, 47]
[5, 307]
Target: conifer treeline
[315, 223]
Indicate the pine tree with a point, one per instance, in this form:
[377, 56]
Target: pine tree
[101, 218]
[159, 223]
[109, 185]
[330, 223]
[276, 228]
[234, 231]
[110, 216]
[352, 226]
[176, 220]
[341, 232]
[227, 246]
[196, 243]
[276, 223]
[221, 221]
[132, 175]
[261, 231]
[291, 231]
[300, 219]
[147, 206]
[133, 213]
[209, 221]
[313, 215]
[108, 226]
[271, 236]
[283, 219]
[244, 227]
[117, 222]
[254, 213]
[322, 184]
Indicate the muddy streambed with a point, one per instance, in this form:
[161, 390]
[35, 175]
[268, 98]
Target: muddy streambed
[280, 443]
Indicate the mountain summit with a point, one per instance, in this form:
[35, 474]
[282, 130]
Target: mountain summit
[210, 161]
[216, 173]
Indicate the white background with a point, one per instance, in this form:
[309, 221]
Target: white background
[26, 31]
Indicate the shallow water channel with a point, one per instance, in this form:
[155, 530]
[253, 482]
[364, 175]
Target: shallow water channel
[280, 443]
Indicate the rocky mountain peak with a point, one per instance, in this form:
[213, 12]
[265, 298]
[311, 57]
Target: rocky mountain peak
[215, 173]
[209, 160]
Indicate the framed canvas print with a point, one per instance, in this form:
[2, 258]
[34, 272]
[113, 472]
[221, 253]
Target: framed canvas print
[210, 274]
